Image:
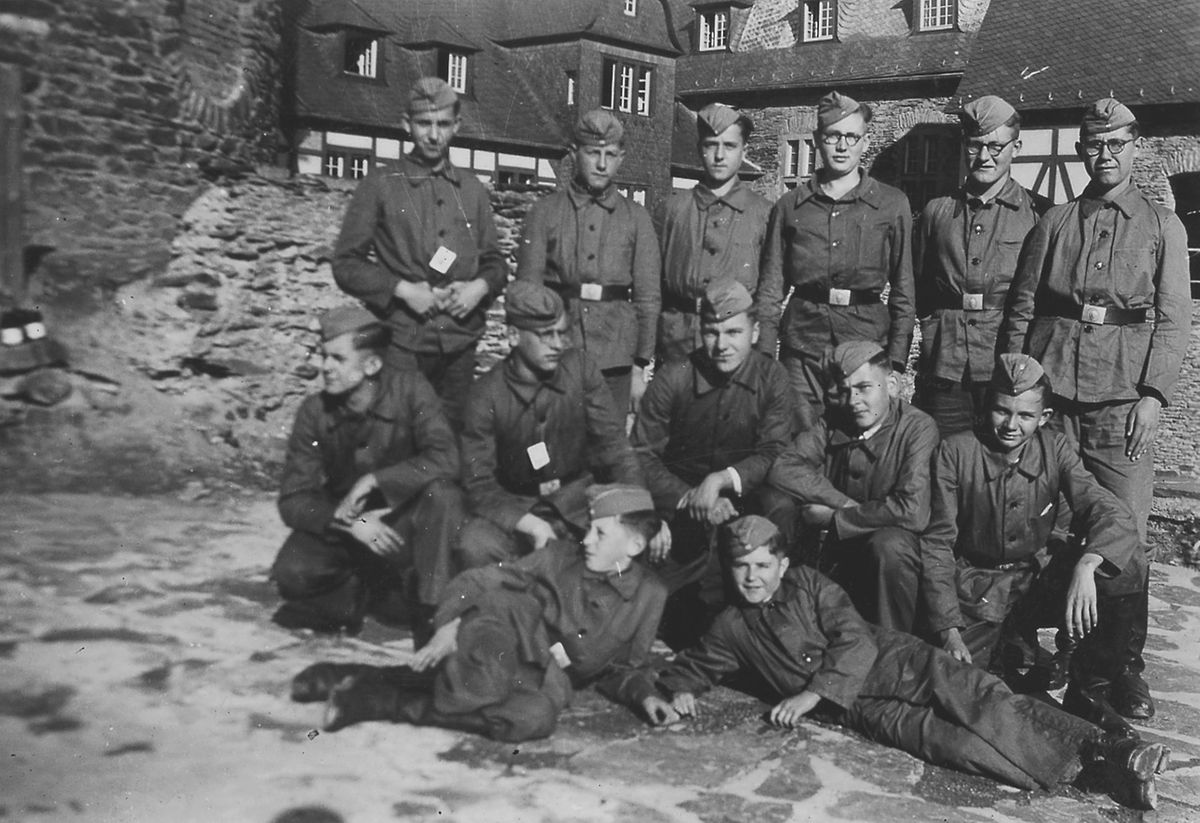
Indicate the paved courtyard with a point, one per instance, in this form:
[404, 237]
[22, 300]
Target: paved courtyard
[140, 679]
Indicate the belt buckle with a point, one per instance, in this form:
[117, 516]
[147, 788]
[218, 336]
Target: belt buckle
[972, 302]
[591, 291]
[549, 487]
[1093, 314]
[839, 297]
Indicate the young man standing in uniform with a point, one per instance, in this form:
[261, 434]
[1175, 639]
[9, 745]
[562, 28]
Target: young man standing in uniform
[597, 249]
[1101, 300]
[419, 247]
[838, 241]
[967, 245]
[713, 232]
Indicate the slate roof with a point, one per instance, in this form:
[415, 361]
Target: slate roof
[1066, 53]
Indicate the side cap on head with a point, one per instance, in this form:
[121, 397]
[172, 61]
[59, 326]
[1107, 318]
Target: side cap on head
[834, 107]
[430, 94]
[529, 305]
[342, 319]
[723, 299]
[612, 499]
[849, 357]
[1016, 373]
[715, 118]
[598, 128]
[746, 534]
[985, 115]
[1105, 115]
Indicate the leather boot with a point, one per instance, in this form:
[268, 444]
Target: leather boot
[1091, 704]
[358, 699]
[1131, 696]
[1132, 765]
[317, 681]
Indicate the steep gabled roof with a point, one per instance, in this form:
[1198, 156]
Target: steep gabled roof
[372, 15]
[1066, 53]
[534, 20]
[427, 31]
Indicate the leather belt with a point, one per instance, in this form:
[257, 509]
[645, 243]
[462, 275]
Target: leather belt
[971, 301]
[1025, 564]
[674, 302]
[838, 297]
[543, 488]
[1096, 315]
[592, 291]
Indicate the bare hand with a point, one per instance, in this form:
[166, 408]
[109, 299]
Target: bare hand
[419, 297]
[1081, 611]
[1141, 426]
[637, 388]
[660, 545]
[464, 297]
[443, 644]
[684, 704]
[817, 514]
[699, 501]
[539, 531]
[789, 712]
[659, 711]
[356, 499]
[723, 512]
[953, 643]
[370, 530]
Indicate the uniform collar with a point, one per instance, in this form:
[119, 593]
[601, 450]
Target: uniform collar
[737, 198]
[706, 378]
[867, 191]
[526, 390]
[382, 406]
[625, 582]
[1011, 195]
[1125, 202]
[1030, 463]
[840, 437]
[580, 196]
[417, 172]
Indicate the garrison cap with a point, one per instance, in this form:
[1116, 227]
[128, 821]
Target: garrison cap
[834, 107]
[746, 534]
[723, 299]
[430, 94]
[716, 117]
[849, 357]
[598, 128]
[612, 499]
[1105, 115]
[529, 305]
[344, 319]
[1016, 374]
[985, 115]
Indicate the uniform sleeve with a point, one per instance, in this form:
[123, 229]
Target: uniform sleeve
[939, 580]
[923, 287]
[1018, 309]
[906, 505]
[303, 502]
[1172, 312]
[768, 301]
[1108, 523]
[463, 592]
[699, 668]
[437, 448]
[353, 269]
[900, 296]
[608, 445]
[629, 679]
[531, 251]
[492, 268]
[651, 433]
[647, 284]
[800, 471]
[485, 496]
[850, 651]
[775, 429]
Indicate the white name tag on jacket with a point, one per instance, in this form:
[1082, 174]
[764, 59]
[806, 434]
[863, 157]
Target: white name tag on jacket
[560, 655]
[442, 260]
[539, 455]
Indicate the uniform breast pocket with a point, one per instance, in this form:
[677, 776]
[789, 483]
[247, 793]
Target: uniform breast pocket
[874, 248]
[1133, 267]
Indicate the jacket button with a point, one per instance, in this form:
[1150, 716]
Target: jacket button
[1087, 329]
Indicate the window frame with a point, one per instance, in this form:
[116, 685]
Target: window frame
[923, 6]
[572, 87]
[626, 86]
[798, 159]
[365, 49]
[707, 31]
[446, 65]
[631, 8]
[809, 5]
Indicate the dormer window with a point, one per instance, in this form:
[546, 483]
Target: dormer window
[452, 67]
[631, 8]
[362, 56]
[714, 29]
[936, 15]
[819, 20]
[626, 87]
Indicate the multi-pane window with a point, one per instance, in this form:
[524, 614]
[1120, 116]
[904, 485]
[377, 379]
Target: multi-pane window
[626, 87]
[338, 162]
[714, 30]
[362, 57]
[335, 164]
[631, 7]
[818, 20]
[799, 158]
[456, 71]
[929, 163]
[936, 15]
[360, 164]
[572, 81]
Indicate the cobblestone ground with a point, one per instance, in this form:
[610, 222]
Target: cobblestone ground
[140, 679]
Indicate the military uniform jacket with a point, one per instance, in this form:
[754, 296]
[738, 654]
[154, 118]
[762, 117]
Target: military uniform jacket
[1129, 254]
[862, 241]
[887, 474]
[967, 248]
[694, 421]
[705, 237]
[572, 413]
[606, 623]
[395, 224]
[987, 513]
[402, 437]
[571, 238]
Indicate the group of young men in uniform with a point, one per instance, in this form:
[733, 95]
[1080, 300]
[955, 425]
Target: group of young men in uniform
[777, 508]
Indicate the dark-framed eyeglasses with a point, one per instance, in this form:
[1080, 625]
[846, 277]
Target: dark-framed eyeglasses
[831, 138]
[1115, 146]
[993, 149]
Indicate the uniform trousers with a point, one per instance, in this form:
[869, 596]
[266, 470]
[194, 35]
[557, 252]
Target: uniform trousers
[449, 373]
[954, 405]
[881, 572]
